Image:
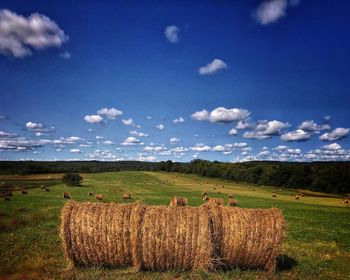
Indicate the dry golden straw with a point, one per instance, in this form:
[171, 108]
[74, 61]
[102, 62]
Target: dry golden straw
[178, 201]
[162, 237]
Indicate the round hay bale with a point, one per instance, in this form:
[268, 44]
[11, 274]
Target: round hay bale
[91, 193]
[346, 201]
[296, 197]
[126, 196]
[67, 195]
[96, 234]
[214, 200]
[99, 196]
[230, 196]
[204, 193]
[232, 202]
[178, 201]
[247, 238]
[274, 194]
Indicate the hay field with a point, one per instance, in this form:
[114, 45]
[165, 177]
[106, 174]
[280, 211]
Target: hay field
[317, 244]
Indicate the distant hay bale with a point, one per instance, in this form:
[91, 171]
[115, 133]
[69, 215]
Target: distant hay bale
[247, 238]
[178, 201]
[346, 201]
[204, 193]
[99, 196]
[24, 192]
[296, 197]
[126, 196]
[145, 237]
[67, 195]
[232, 202]
[214, 200]
[90, 193]
[274, 194]
[230, 196]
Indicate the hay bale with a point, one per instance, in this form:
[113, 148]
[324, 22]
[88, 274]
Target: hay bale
[99, 196]
[247, 238]
[346, 201]
[178, 201]
[24, 192]
[204, 193]
[91, 193]
[274, 194]
[67, 195]
[146, 237]
[230, 196]
[126, 196]
[232, 202]
[296, 197]
[214, 200]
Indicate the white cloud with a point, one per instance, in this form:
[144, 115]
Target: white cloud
[297, 135]
[65, 55]
[336, 134]
[333, 146]
[172, 33]
[138, 134]
[212, 67]
[312, 127]
[266, 129]
[179, 150]
[281, 148]
[128, 121]
[174, 140]
[160, 127]
[200, 148]
[149, 117]
[221, 114]
[271, 11]
[242, 124]
[110, 113]
[2, 117]
[232, 132]
[200, 115]
[75, 151]
[155, 149]
[108, 142]
[33, 126]
[19, 34]
[218, 148]
[93, 118]
[131, 141]
[179, 120]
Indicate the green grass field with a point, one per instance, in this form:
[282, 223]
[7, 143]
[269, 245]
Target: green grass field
[317, 243]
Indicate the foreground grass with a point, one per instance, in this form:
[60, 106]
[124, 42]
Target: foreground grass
[317, 244]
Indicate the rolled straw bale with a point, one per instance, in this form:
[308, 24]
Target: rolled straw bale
[178, 201]
[90, 193]
[246, 238]
[214, 200]
[232, 202]
[296, 197]
[67, 195]
[147, 237]
[99, 196]
[274, 194]
[126, 196]
[96, 233]
[230, 196]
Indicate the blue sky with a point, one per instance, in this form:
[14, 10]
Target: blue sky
[158, 80]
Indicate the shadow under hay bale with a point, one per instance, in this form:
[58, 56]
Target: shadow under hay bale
[47, 190]
[285, 263]
[24, 192]
[178, 201]
[162, 237]
[91, 193]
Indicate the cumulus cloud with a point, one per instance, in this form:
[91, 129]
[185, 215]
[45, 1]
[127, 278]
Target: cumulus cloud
[179, 120]
[138, 134]
[160, 127]
[296, 135]
[333, 146]
[200, 148]
[336, 134]
[108, 142]
[110, 113]
[266, 129]
[232, 132]
[221, 114]
[200, 115]
[174, 140]
[130, 141]
[39, 128]
[172, 33]
[270, 11]
[312, 127]
[128, 121]
[93, 118]
[19, 35]
[75, 151]
[212, 67]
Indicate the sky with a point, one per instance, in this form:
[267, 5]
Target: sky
[180, 80]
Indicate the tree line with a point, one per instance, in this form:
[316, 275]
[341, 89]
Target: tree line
[330, 177]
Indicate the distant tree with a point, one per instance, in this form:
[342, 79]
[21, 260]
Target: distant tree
[72, 179]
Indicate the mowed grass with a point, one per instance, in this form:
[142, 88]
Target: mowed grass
[317, 243]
